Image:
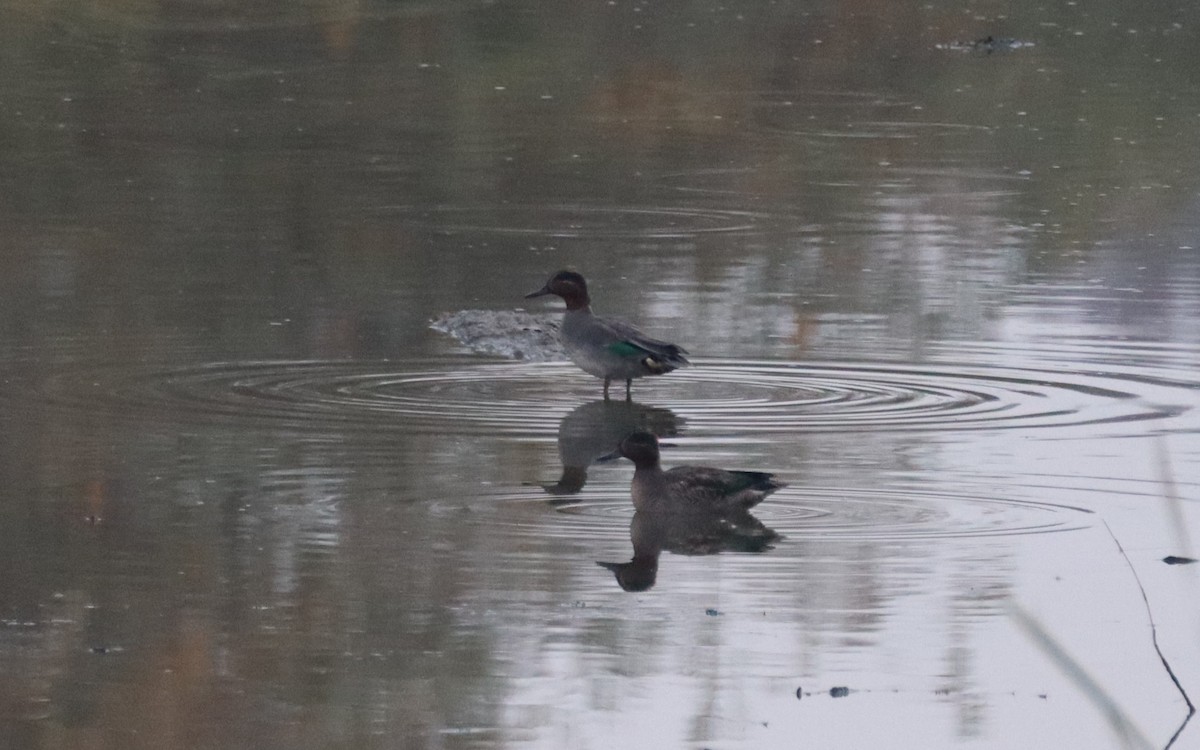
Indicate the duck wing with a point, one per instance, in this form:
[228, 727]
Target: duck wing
[630, 341]
[708, 488]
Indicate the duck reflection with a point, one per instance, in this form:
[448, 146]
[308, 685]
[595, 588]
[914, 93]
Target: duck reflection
[595, 429]
[688, 510]
[653, 533]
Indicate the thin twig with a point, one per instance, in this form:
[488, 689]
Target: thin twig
[1154, 638]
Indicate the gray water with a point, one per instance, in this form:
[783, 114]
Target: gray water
[947, 291]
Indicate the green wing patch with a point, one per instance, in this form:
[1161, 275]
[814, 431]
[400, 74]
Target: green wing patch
[625, 349]
[743, 480]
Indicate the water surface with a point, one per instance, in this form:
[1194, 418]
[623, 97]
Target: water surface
[948, 292]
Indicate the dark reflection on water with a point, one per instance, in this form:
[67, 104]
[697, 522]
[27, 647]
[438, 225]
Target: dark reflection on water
[250, 499]
[592, 431]
[685, 534]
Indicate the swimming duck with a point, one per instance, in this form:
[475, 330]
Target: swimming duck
[690, 489]
[603, 347]
[592, 431]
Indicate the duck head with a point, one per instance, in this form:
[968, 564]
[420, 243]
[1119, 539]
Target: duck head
[639, 574]
[641, 448]
[568, 285]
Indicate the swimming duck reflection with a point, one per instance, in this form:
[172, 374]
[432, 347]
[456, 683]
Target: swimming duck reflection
[594, 430]
[688, 510]
[653, 533]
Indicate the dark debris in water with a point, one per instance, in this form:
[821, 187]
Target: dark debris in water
[841, 691]
[100, 650]
[712, 612]
[515, 334]
[834, 692]
[987, 45]
[1176, 560]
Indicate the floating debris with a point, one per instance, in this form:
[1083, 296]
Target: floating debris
[712, 612]
[1176, 560]
[987, 45]
[839, 692]
[507, 333]
[105, 650]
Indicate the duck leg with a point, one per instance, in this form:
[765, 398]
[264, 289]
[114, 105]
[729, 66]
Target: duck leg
[606, 382]
[628, 385]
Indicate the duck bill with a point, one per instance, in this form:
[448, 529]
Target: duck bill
[607, 457]
[539, 293]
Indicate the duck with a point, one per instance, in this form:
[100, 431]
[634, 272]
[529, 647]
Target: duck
[590, 433]
[603, 347]
[690, 489]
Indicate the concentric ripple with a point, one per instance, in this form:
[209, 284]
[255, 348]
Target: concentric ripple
[933, 181]
[714, 397]
[773, 397]
[582, 221]
[814, 512]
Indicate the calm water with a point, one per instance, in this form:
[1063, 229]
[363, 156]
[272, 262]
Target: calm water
[950, 294]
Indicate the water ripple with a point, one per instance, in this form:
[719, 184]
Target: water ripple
[714, 397]
[774, 397]
[816, 512]
[932, 181]
[582, 221]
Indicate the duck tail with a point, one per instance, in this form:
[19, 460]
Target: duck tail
[772, 484]
[664, 359]
[760, 485]
[761, 481]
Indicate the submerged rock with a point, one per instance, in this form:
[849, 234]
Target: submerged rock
[507, 333]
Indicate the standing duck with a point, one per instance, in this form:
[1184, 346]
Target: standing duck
[690, 489]
[606, 348]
